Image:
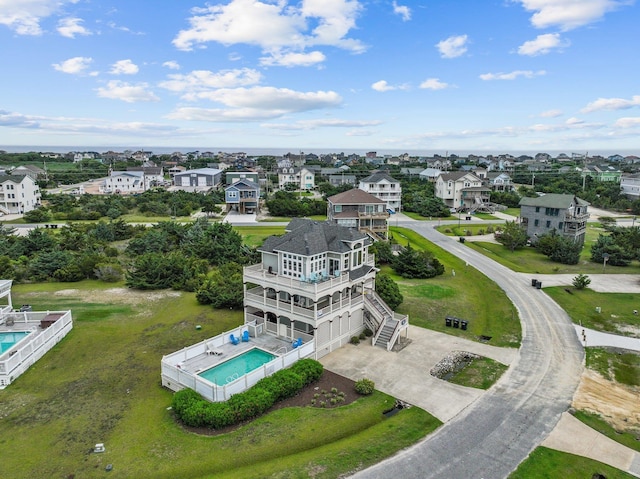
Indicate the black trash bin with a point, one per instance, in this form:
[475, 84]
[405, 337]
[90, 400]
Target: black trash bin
[456, 323]
[534, 282]
[461, 239]
[463, 325]
[448, 321]
[539, 285]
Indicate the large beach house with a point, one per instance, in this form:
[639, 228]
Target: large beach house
[313, 290]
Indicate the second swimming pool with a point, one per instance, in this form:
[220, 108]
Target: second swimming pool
[237, 367]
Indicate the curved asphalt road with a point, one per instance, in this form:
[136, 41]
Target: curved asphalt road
[497, 432]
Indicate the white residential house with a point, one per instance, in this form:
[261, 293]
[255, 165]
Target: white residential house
[430, 174]
[153, 176]
[500, 182]
[630, 186]
[461, 190]
[384, 187]
[302, 177]
[317, 282]
[18, 194]
[124, 182]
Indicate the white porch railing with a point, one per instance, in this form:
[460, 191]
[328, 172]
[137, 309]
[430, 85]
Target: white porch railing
[180, 379]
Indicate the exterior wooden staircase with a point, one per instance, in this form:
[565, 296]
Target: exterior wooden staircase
[381, 319]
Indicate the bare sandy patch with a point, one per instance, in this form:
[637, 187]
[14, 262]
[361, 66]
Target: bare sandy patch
[616, 403]
[114, 295]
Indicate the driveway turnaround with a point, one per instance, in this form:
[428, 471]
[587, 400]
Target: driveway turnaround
[492, 435]
[405, 374]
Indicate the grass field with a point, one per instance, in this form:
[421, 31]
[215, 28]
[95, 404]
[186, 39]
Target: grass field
[619, 366]
[481, 373]
[467, 229]
[544, 463]
[469, 295]
[102, 384]
[255, 235]
[616, 309]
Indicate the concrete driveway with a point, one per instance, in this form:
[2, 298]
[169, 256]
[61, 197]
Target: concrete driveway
[405, 374]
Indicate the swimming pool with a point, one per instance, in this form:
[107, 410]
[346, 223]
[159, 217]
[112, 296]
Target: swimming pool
[9, 339]
[237, 367]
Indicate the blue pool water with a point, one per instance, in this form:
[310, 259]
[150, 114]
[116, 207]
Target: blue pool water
[9, 339]
[237, 367]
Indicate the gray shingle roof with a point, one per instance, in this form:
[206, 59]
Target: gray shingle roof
[553, 200]
[354, 196]
[379, 176]
[307, 238]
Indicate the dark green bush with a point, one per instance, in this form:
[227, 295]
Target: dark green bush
[354, 340]
[368, 333]
[365, 387]
[195, 411]
[309, 369]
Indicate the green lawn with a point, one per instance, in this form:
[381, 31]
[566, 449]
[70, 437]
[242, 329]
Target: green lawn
[469, 295]
[622, 367]
[616, 309]
[255, 235]
[512, 211]
[101, 383]
[485, 216]
[544, 463]
[468, 229]
[480, 373]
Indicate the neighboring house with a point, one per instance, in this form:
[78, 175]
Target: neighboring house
[430, 174]
[242, 196]
[604, 173]
[630, 186]
[358, 209]
[232, 176]
[18, 194]
[302, 177]
[317, 282]
[176, 169]
[153, 176]
[29, 170]
[566, 214]
[462, 191]
[339, 180]
[201, 179]
[500, 182]
[124, 182]
[20, 350]
[384, 187]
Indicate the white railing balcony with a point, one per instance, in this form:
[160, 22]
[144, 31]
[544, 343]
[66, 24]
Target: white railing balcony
[322, 285]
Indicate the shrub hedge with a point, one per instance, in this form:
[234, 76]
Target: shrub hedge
[194, 411]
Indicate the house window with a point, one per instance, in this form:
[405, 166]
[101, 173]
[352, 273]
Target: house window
[560, 225]
[337, 208]
[536, 223]
[233, 194]
[548, 223]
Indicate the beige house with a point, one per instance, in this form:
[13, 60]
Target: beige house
[462, 191]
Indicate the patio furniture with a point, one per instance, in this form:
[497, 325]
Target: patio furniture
[233, 339]
[245, 336]
[296, 343]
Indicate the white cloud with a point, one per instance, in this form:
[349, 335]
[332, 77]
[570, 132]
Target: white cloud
[403, 11]
[383, 86]
[119, 90]
[193, 84]
[73, 66]
[629, 122]
[512, 75]
[171, 65]
[568, 14]
[612, 104]
[70, 27]
[453, 47]
[24, 16]
[551, 113]
[293, 59]
[433, 84]
[321, 123]
[275, 27]
[124, 67]
[542, 45]
[257, 103]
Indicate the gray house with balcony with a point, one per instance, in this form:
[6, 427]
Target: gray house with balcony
[317, 283]
[566, 214]
[358, 209]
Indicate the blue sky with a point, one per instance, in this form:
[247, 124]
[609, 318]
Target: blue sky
[499, 76]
